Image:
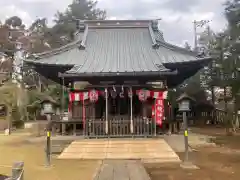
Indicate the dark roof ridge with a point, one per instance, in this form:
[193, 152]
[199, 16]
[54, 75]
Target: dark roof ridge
[117, 26]
[152, 36]
[119, 20]
[117, 23]
[84, 38]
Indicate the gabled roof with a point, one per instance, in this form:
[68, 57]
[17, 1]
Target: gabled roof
[111, 46]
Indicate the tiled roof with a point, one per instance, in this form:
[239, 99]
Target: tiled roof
[116, 47]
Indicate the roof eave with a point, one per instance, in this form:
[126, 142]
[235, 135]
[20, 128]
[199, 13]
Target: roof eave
[197, 60]
[119, 74]
[176, 48]
[35, 62]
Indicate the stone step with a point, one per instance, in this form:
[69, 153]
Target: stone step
[121, 170]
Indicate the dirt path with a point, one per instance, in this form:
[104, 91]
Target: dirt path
[15, 148]
[215, 162]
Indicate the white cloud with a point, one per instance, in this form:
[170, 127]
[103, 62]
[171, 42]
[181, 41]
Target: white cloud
[34, 1]
[176, 23]
[12, 10]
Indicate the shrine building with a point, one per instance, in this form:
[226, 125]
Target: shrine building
[116, 74]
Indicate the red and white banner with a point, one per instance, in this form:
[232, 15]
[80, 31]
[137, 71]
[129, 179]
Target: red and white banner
[158, 110]
[78, 96]
[93, 95]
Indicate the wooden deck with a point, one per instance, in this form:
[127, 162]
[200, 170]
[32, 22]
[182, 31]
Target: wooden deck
[146, 150]
[121, 170]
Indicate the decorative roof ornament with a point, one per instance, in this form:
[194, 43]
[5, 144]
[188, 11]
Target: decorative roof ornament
[83, 29]
[155, 25]
[80, 25]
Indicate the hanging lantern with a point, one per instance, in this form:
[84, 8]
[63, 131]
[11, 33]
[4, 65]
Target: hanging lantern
[143, 95]
[93, 96]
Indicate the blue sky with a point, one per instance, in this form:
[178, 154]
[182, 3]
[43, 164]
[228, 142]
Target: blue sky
[177, 15]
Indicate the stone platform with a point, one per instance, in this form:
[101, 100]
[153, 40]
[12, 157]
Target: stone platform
[149, 150]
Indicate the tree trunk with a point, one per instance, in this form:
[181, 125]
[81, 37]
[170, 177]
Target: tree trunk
[35, 116]
[237, 125]
[9, 119]
[226, 116]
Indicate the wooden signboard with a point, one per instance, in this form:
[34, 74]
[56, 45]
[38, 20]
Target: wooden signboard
[157, 84]
[79, 85]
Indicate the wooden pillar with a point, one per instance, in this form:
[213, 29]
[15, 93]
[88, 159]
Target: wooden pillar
[94, 111]
[63, 105]
[131, 110]
[155, 118]
[144, 109]
[74, 129]
[63, 97]
[170, 128]
[106, 95]
[84, 114]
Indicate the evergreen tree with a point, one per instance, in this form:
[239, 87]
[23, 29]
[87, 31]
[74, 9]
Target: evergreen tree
[62, 32]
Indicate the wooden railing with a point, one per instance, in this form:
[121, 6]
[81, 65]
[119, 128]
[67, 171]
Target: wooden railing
[119, 127]
[216, 116]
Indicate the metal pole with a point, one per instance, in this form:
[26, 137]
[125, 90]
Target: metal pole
[106, 95]
[195, 34]
[131, 109]
[48, 149]
[185, 124]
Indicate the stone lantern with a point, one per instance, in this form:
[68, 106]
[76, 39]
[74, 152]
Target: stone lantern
[48, 107]
[184, 106]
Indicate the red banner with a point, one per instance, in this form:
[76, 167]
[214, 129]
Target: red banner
[158, 110]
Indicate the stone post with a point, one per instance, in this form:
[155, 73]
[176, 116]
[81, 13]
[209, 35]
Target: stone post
[17, 171]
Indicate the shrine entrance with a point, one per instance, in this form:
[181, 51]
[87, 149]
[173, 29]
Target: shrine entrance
[117, 113]
[118, 122]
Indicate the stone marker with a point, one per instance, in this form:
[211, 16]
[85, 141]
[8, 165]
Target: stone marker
[17, 171]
